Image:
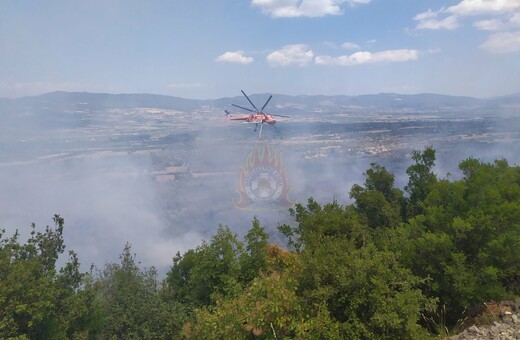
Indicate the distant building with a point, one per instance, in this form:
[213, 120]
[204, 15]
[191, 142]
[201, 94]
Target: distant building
[173, 173]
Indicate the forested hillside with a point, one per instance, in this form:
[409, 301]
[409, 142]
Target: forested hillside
[396, 264]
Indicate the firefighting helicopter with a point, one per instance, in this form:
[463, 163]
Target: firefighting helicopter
[257, 117]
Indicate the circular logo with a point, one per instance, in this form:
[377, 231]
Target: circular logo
[263, 186]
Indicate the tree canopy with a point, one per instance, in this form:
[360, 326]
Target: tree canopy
[382, 267]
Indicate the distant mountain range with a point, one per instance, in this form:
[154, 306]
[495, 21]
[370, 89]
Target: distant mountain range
[81, 101]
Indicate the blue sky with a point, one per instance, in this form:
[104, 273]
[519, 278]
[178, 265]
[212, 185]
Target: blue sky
[213, 48]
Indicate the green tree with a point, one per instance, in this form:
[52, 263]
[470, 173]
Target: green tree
[378, 200]
[253, 260]
[420, 179]
[347, 283]
[211, 270]
[131, 302]
[36, 298]
[314, 223]
[268, 307]
[465, 237]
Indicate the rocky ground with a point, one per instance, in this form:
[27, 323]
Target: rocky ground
[497, 321]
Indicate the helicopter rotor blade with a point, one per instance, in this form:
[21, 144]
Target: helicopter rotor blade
[243, 108]
[263, 107]
[250, 102]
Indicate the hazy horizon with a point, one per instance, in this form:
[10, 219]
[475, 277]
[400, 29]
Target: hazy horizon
[239, 95]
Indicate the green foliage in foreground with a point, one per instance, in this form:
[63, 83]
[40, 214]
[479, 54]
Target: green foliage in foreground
[385, 267]
[36, 299]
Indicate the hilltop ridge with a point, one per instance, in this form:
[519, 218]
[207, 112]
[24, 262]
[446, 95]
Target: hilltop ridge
[64, 100]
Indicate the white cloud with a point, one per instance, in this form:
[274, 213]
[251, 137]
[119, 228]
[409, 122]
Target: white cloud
[494, 15]
[234, 57]
[358, 2]
[480, 7]
[291, 55]
[303, 8]
[358, 58]
[448, 23]
[350, 45]
[507, 22]
[429, 14]
[515, 19]
[489, 25]
[502, 42]
[428, 20]
[433, 19]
